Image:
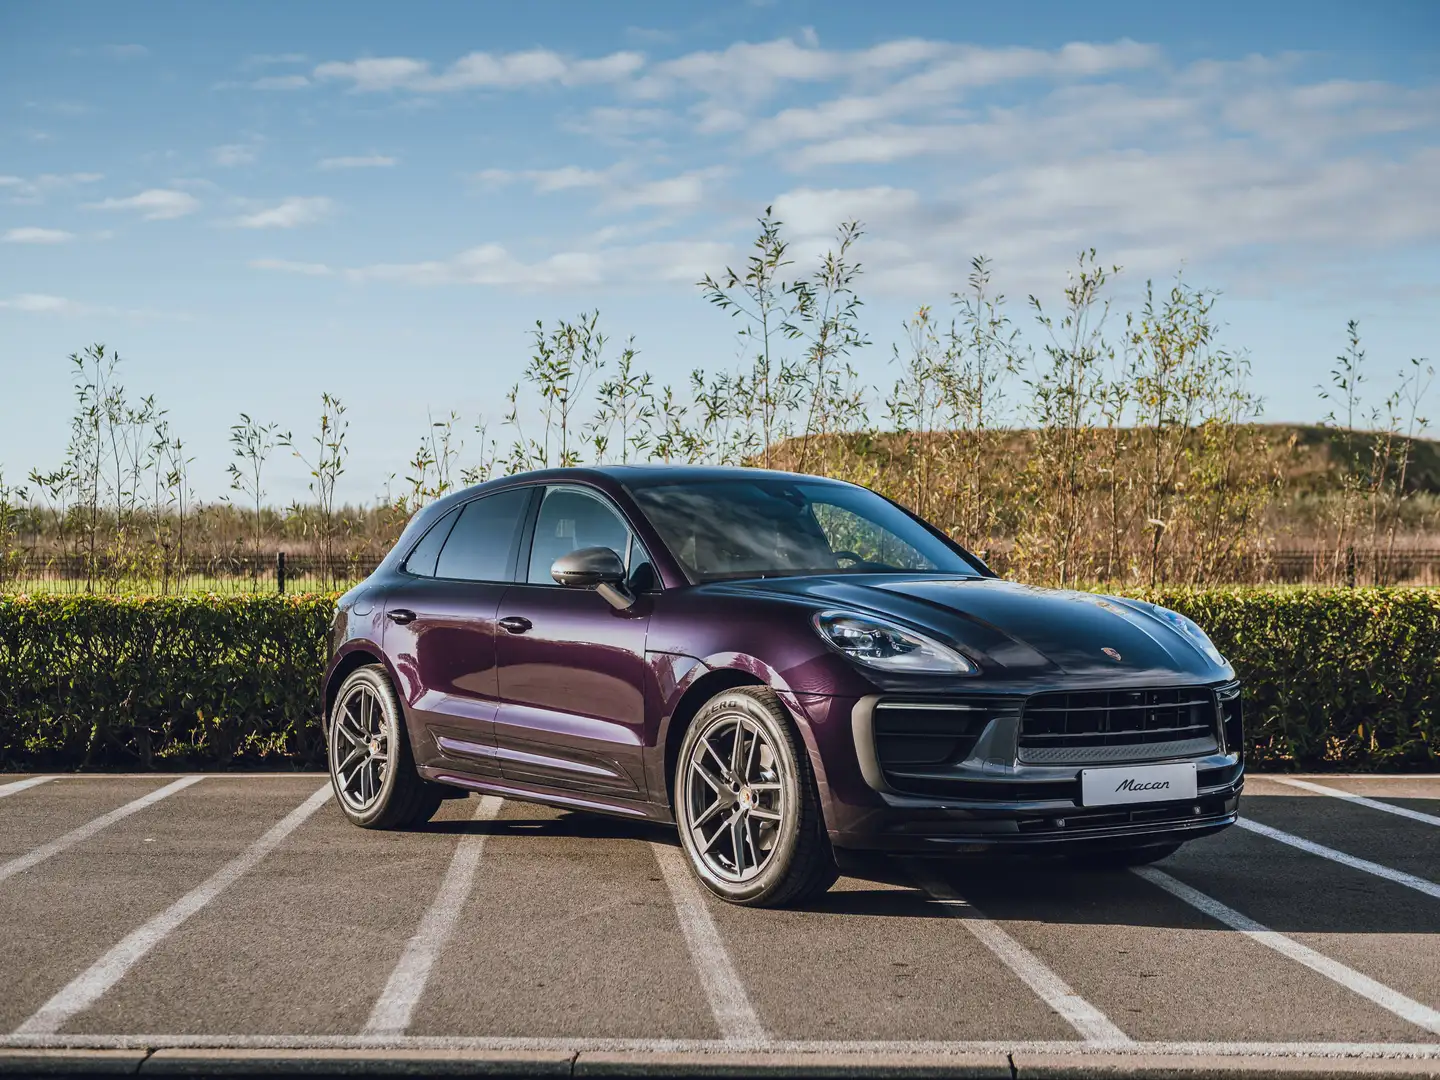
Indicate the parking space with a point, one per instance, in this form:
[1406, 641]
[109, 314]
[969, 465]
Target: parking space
[244, 910]
[569, 932]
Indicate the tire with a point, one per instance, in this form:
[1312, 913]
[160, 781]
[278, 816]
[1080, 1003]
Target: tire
[371, 768]
[769, 803]
[1124, 858]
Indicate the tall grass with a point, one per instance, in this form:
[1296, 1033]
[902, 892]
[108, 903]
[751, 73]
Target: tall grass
[1070, 442]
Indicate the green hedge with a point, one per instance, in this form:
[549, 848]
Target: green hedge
[161, 683]
[1334, 678]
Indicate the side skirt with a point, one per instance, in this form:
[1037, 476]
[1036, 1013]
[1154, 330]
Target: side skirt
[513, 789]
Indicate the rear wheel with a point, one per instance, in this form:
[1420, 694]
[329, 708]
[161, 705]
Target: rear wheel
[371, 769]
[746, 806]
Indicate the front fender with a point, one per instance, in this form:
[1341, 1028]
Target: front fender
[683, 683]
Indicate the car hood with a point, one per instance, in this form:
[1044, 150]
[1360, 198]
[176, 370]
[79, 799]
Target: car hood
[1021, 629]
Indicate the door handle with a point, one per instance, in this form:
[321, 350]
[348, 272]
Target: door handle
[401, 615]
[515, 624]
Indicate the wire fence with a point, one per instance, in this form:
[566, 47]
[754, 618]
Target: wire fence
[1292, 566]
[282, 572]
[277, 572]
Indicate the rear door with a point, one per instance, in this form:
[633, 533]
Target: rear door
[572, 668]
[440, 629]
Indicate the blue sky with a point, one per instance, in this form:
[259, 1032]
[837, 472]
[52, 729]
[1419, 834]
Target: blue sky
[256, 203]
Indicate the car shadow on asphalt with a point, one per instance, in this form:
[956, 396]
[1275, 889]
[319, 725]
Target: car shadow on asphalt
[568, 823]
[1286, 890]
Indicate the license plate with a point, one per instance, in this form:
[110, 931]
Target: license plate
[1137, 783]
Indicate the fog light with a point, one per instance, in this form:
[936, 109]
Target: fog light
[1197, 810]
[1058, 822]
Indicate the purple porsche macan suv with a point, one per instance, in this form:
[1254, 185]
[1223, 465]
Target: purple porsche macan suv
[783, 666]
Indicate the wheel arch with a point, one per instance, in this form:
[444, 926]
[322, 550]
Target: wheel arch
[360, 655]
[700, 691]
[721, 673]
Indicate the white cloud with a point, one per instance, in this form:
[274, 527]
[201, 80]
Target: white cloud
[533, 67]
[621, 190]
[808, 212]
[374, 73]
[544, 181]
[930, 91]
[289, 213]
[35, 189]
[275, 59]
[680, 192]
[125, 52]
[285, 266]
[61, 306]
[60, 108]
[156, 204]
[280, 82]
[493, 265]
[40, 303]
[368, 161]
[30, 234]
[916, 118]
[1149, 211]
[232, 154]
[1025, 154]
[620, 122]
[751, 71]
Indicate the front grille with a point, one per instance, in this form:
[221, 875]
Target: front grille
[1112, 725]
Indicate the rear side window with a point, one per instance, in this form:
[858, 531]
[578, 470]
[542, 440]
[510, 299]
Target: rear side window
[481, 546]
[422, 558]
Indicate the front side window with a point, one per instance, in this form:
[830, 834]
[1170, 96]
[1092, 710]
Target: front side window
[571, 519]
[481, 546]
[760, 527]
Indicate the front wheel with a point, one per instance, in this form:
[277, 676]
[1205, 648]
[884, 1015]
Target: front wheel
[371, 769]
[746, 806]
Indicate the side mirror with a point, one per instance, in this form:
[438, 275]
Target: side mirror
[598, 568]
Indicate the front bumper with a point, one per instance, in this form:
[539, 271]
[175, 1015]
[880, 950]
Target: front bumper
[937, 827]
[995, 803]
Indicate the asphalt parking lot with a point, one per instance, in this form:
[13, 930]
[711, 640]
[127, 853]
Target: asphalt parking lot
[156, 917]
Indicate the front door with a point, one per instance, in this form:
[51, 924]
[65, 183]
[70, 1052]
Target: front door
[440, 630]
[571, 667]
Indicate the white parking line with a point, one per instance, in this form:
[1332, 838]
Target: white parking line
[18, 786]
[1093, 1025]
[87, 987]
[391, 1014]
[729, 1003]
[1391, 1000]
[1358, 800]
[90, 828]
[1419, 884]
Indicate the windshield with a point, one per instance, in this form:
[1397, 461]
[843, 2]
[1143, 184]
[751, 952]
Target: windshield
[766, 528]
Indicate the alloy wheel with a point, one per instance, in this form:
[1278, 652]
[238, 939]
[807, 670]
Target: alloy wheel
[360, 748]
[735, 796]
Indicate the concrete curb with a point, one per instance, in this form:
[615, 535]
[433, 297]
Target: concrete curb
[823, 1066]
[750, 1065]
[71, 1062]
[1213, 1067]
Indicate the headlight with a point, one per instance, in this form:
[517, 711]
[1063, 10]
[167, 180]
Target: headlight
[876, 643]
[1190, 630]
